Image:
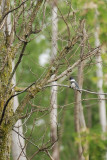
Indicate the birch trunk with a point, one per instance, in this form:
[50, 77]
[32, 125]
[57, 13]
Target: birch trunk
[53, 114]
[99, 72]
[18, 143]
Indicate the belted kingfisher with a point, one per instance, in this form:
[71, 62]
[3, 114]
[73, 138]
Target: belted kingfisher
[74, 84]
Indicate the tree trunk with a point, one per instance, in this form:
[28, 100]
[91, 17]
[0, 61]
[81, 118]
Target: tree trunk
[79, 115]
[80, 124]
[18, 144]
[5, 71]
[99, 72]
[53, 114]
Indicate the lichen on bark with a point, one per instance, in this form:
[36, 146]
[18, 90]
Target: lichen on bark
[5, 71]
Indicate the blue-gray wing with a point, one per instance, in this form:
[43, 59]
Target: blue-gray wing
[77, 87]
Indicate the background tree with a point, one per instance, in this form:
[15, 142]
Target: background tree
[53, 114]
[18, 143]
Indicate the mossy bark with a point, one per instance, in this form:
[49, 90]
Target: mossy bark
[7, 53]
[5, 71]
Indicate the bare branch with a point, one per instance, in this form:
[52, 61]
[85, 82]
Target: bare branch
[18, 62]
[65, 73]
[25, 138]
[83, 90]
[12, 11]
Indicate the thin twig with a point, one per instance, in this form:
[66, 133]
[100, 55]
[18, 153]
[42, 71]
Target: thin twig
[17, 64]
[25, 138]
[12, 10]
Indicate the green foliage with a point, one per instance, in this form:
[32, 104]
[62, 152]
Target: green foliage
[97, 146]
[96, 143]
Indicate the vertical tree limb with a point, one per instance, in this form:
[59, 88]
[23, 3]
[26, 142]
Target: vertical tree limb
[80, 124]
[18, 143]
[99, 72]
[53, 114]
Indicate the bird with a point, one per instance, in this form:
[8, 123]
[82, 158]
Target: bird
[74, 84]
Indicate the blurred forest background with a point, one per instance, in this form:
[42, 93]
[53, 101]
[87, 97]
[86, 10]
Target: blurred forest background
[36, 59]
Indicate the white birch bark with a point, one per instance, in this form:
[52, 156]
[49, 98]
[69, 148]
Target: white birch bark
[99, 72]
[18, 143]
[53, 114]
[81, 113]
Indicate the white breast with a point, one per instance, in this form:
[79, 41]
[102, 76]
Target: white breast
[72, 85]
[72, 80]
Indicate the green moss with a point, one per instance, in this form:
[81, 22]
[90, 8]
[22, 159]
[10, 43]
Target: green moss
[5, 71]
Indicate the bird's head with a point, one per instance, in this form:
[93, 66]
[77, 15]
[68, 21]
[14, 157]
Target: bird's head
[71, 78]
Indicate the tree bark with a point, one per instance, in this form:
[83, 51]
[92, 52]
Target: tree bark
[7, 53]
[53, 114]
[79, 115]
[99, 72]
[80, 125]
[18, 143]
[5, 71]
